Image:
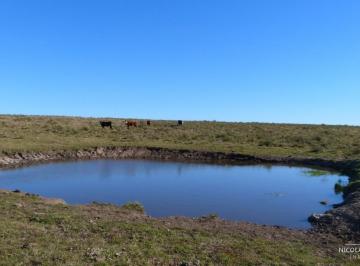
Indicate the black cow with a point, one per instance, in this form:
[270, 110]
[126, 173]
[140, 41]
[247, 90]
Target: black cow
[104, 124]
[180, 123]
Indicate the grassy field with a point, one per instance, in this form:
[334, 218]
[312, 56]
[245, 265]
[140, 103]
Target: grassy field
[36, 232]
[25, 133]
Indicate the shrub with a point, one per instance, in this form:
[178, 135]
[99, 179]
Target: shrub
[134, 206]
[339, 188]
[266, 143]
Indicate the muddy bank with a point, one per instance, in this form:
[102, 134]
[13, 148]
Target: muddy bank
[343, 220]
[23, 159]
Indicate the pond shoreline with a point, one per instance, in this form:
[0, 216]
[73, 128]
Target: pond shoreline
[343, 221]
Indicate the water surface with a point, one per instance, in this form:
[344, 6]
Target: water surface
[277, 195]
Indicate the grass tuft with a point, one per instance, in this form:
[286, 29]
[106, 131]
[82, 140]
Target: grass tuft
[134, 206]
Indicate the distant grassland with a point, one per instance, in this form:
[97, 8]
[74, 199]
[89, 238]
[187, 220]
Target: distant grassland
[41, 133]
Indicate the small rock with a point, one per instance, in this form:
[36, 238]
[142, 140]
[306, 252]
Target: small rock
[315, 217]
[320, 218]
[324, 202]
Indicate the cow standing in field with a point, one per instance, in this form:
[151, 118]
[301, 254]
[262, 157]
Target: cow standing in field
[148, 122]
[104, 124]
[180, 122]
[131, 124]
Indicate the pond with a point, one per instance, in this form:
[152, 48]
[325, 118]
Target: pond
[272, 195]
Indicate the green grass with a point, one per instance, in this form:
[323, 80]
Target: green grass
[339, 188]
[36, 233]
[315, 172]
[134, 206]
[37, 133]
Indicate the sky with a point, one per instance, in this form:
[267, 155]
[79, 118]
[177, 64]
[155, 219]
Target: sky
[276, 61]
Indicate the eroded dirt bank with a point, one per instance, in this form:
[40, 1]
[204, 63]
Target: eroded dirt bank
[343, 221]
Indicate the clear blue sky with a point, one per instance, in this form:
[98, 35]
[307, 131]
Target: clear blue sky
[292, 61]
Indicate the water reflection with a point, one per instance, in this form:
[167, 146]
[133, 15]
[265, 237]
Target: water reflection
[277, 195]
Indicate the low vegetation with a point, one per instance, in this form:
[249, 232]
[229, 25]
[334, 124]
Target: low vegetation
[339, 188]
[134, 206]
[36, 232]
[315, 172]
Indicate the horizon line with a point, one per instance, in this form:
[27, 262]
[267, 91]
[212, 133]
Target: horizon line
[175, 119]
